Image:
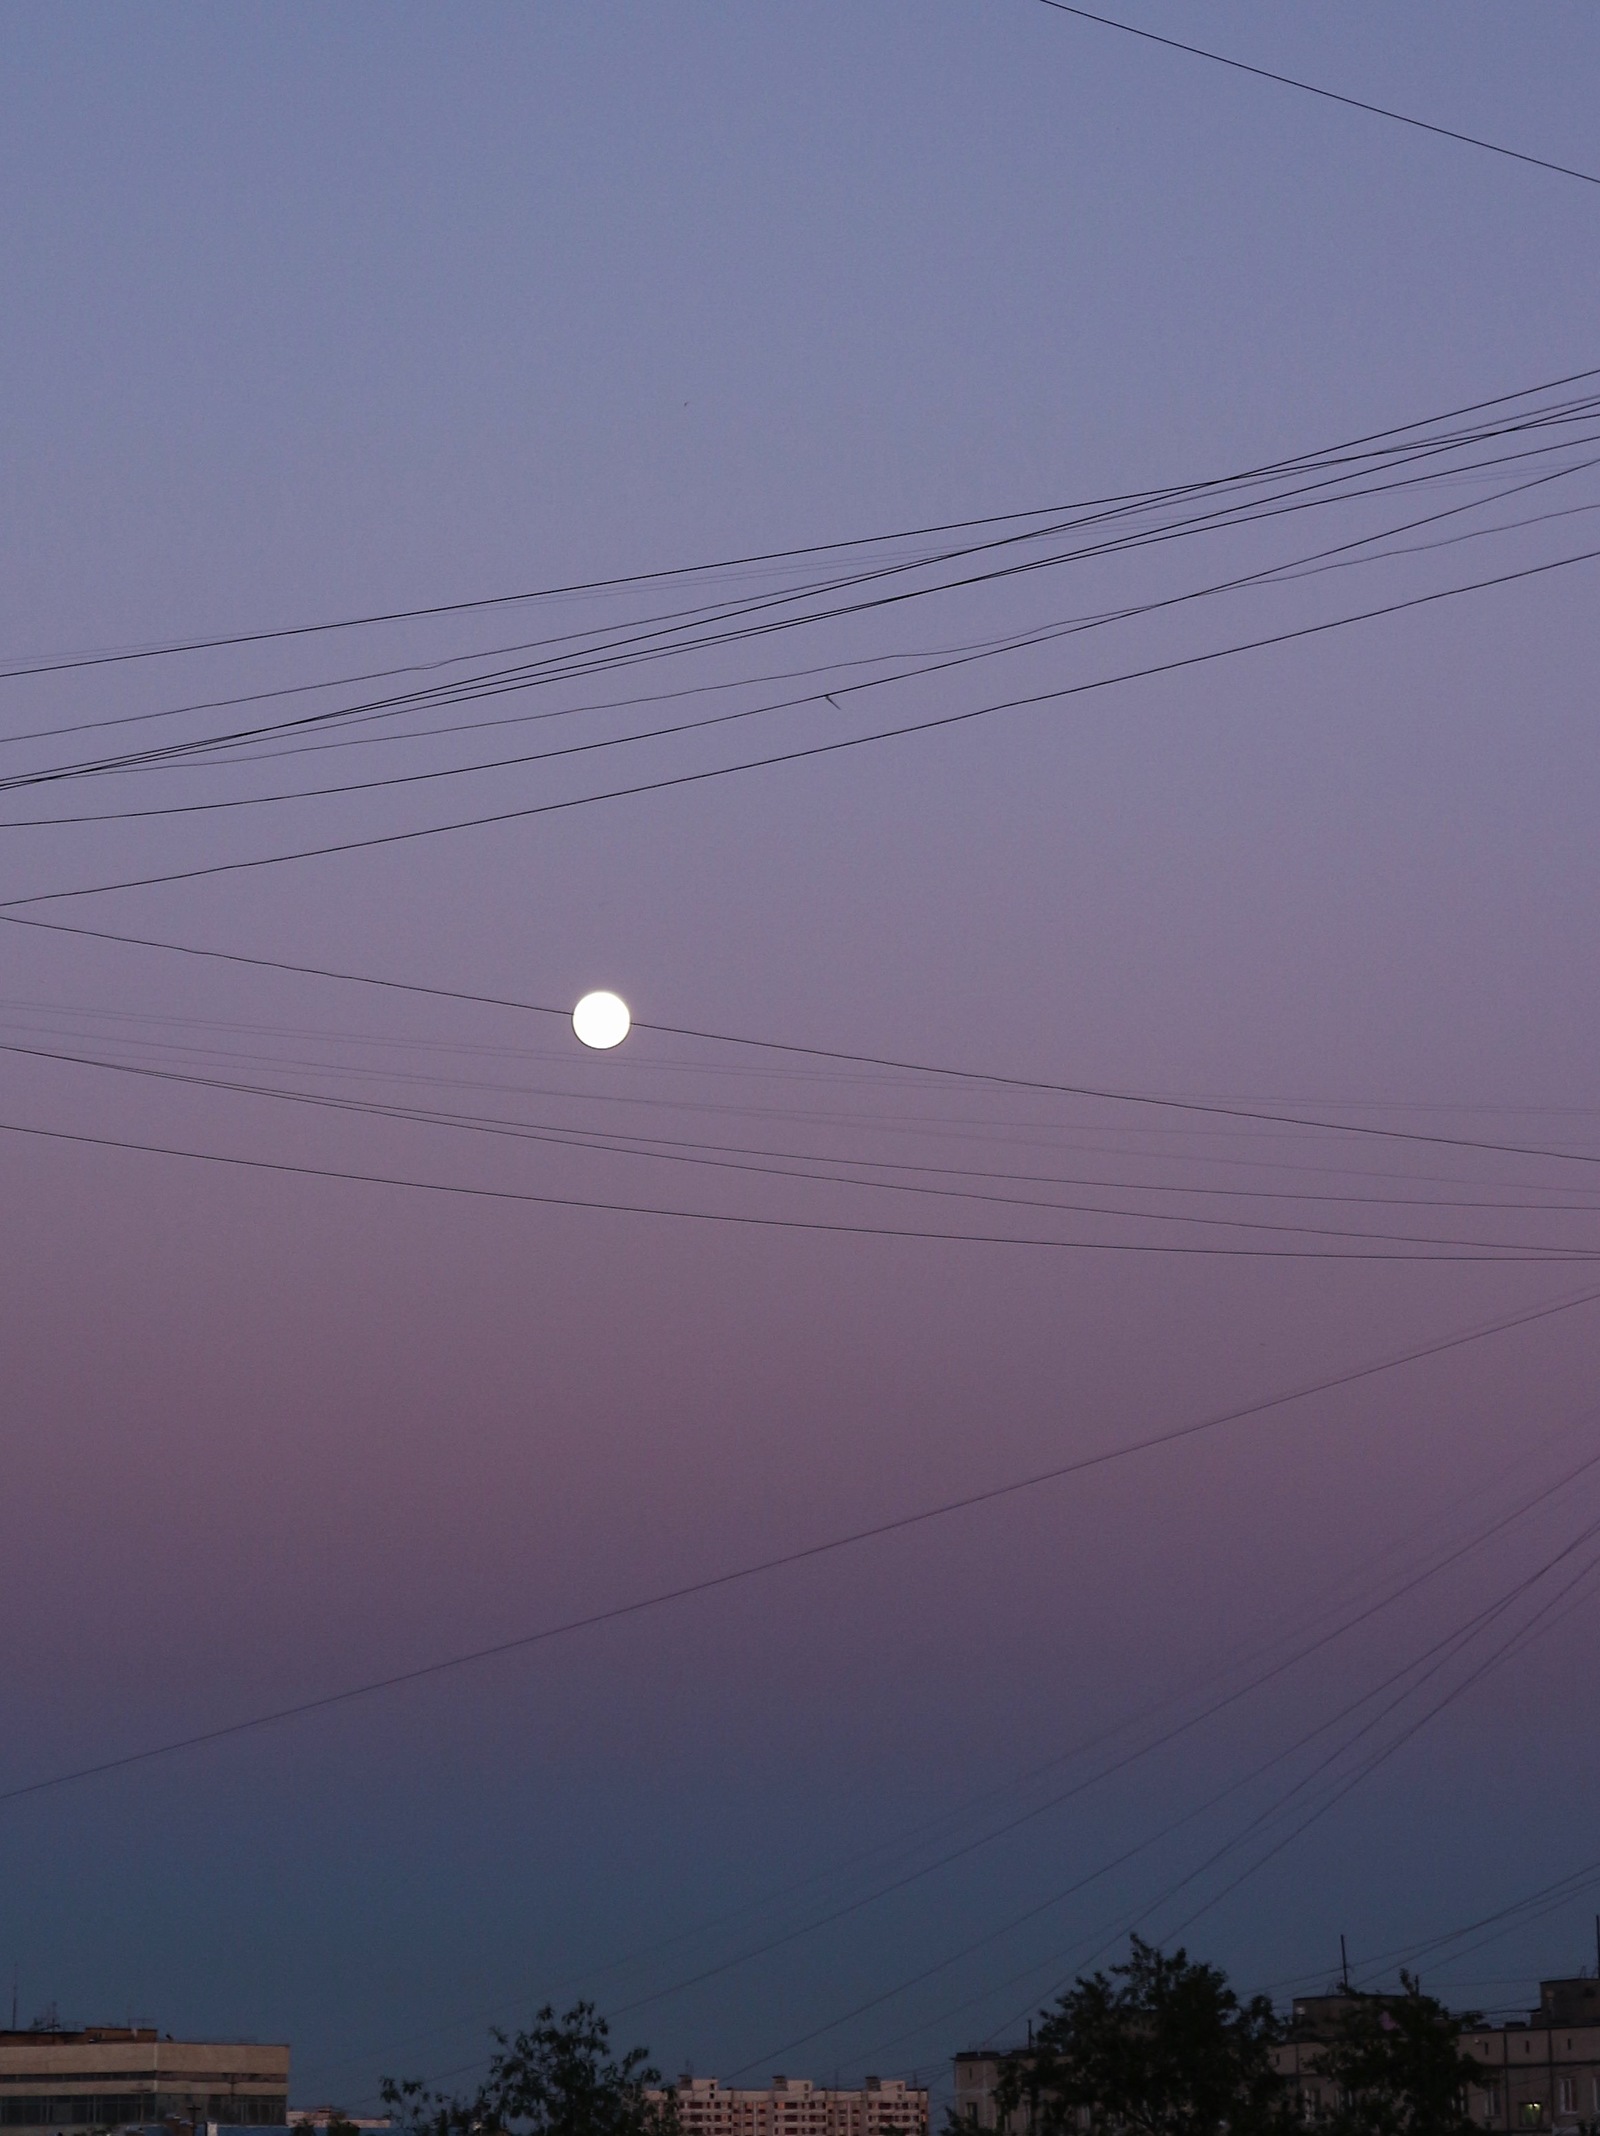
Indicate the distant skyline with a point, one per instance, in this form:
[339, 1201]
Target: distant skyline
[334, 314]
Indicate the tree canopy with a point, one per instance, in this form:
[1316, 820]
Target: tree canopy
[1161, 2046]
[1398, 2068]
[557, 2078]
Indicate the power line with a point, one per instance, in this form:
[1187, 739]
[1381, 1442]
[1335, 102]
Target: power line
[685, 1152]
[1438, 1655]
[1344, 1786]
[808, 751]
[1431, 1569]
[835, 1054]
[642, 1143]
[1533, 1905]
[1451, 1641]
[646, 645]
[1538, 1256]
[1332, 96]
[646, 1141]
[241, 747]
[596, 653]
[1127, 499]
[762, 1903]
[879, 1529]
[1119, 1765]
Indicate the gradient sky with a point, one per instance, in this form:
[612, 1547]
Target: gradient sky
[319, 312]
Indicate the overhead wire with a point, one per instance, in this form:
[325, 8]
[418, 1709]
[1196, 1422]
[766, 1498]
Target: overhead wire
[586, 1980]
[1121, 1764]
[432, 610]
[1465, 1256]
[531, 811]
[643, 1143]
[1518, 1638]
[1488, 1249]
[1443, 1649]
[803, 1554]
[1326, 559]
[612, 654]
[1496, 1526]
[997, 1079]
[1342, 1787]
[1332, 96]
[790, 1558]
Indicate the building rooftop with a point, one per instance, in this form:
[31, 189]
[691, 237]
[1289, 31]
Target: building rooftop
[51, 2035]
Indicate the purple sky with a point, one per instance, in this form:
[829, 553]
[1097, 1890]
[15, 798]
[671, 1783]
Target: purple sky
[316, 313]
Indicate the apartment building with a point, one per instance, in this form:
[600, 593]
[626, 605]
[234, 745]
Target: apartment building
[977, 2072]
[1541, 2072]
[55, 2081]
[793, 2106]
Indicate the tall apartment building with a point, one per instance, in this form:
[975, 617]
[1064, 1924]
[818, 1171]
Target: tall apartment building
[54, 2082]
[793, 2106]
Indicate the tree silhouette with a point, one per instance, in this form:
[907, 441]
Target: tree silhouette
[1160, 2046]
[1398, 2067]
[558, 2078]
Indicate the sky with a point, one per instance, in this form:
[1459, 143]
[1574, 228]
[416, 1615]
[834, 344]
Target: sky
[325, 314]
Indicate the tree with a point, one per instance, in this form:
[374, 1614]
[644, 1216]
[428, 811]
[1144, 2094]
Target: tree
[1161, 2046]
[1397, 2064]
[557, 2079]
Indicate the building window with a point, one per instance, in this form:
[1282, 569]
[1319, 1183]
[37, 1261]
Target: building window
[1491, 2102]
[1566, 2095]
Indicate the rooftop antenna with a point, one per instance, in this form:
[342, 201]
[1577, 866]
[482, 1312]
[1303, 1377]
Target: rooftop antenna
[1344, 1957]
[14, 1978]
[1597, 1946]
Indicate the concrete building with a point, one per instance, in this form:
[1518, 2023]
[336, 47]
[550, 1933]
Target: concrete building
[324, 2117]
[793, 2106]
[1541, 2072]
[977, 2072]
[1544, 2073]
[54, 2081]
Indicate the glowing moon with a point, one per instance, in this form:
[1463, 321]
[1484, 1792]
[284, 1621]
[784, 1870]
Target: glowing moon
[601, 1020]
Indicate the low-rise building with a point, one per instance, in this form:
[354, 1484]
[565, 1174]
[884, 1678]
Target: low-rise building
[56, 2081]
[1541, 2072]
[977, 2072]
[327, 2117]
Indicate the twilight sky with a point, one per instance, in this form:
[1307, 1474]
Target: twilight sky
[318, 314]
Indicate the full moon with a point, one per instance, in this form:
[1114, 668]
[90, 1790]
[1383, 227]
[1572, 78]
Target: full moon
[601, 1020]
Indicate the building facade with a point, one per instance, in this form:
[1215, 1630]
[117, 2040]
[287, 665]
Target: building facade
[56, 2082]
[977, 2072]
[1539, 2074]
[1545, 2072]
[793, 2106]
